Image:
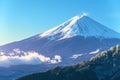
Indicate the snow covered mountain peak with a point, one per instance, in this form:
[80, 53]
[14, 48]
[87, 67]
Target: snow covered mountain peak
[80, 26]
[79, 17]
[76, 18]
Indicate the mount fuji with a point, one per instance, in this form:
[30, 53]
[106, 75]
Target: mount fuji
[75, 40]
[78, 38]
[80, 26]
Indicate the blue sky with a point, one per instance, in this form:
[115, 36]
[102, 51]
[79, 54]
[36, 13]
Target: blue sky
[20, 19]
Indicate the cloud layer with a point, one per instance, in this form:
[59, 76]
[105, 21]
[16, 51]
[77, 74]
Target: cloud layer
[75, 56]
[95, 52]
[18, 57]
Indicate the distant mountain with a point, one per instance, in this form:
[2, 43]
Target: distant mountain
[79, 36]
[104, 66]
[80, 26]
[75, 40]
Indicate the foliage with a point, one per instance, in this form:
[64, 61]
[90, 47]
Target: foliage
[105, 63]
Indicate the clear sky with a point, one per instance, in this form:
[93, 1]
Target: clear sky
[20, 19]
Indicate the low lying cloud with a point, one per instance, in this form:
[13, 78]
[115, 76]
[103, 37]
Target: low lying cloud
[26, 58]
[76, 56]
[95, 52]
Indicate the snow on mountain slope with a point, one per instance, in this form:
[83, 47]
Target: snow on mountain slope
[77, 39]
[80, 26]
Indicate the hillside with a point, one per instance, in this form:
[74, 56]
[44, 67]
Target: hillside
[104, 66]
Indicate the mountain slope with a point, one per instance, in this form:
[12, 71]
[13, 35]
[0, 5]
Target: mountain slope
[75, 40]
[105, 66]
[80, 26]
[79, 35]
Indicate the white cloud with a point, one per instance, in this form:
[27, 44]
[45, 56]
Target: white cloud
[85, 14]
[16, 50]
[1, 53]
[94, 52]
[57, 58]
[26, 58]
[76, 56]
